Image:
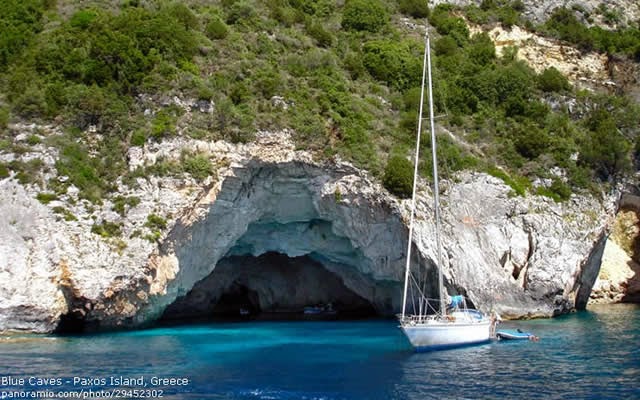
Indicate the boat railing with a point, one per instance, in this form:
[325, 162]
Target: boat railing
[419, 319]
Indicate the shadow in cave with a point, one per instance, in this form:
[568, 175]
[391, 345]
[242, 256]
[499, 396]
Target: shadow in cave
[238, 300]
[271, 286]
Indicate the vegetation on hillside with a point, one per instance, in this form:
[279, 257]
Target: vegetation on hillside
[345, 78]
[566, 24]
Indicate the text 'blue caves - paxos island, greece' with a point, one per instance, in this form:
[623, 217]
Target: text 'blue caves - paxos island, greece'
[330, 199]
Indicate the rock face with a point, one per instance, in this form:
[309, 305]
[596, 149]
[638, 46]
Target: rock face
[31, 272]
[538, 11]
[585, 69]
[619, 277]
[524, 257]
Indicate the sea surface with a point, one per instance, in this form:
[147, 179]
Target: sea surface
[587, 355]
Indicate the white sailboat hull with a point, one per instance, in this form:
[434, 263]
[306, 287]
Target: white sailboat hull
[434, 334]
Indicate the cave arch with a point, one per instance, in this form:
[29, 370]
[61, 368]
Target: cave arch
[291, 209]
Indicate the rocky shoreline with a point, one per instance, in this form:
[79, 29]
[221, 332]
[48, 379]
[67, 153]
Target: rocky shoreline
[524, 257]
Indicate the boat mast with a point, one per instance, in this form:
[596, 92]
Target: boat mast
[415, 172]
[436, 190]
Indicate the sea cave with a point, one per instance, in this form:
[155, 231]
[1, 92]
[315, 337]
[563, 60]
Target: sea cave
[270, 286]
[274, 241]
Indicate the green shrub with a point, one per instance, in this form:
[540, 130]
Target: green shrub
[163, 124]
[46, 198]
[530, 141]
[518, 184]
[357, 144]
[445, 46]
[552, 80]
[503, 11]
[352, 62]
[153, 237]
[414, 8]
[156, 222]
[82, 19]
[198, 166]
[365, 15]
[320, 8]
[605, 150]
[508, 16]
[182, 14]
[267, 82]
[4, 118]
[337, 195]
[121, 204]
[481, 49]
[27, 172]
[4, 171]
[216, 29]
[163, 167]
[33, 140]
[82, 171]
[392, 62]
[66, 214]
[398, 176]
[20, 21]
[446, 23]
[107, 229]
[320, 34]
[558, 191]
[30, 103]
[92, 105]
[240, 93]
[564, 25]
[138, 138]
[284, 15]
[241, 12]
[514, 82]
[450, 157]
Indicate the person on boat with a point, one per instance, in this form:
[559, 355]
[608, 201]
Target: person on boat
[455, 302]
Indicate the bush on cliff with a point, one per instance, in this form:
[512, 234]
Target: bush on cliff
[217, 29]
[552, 80]
[398, 176]
[414, 8]
[392, 62]
[365, 15]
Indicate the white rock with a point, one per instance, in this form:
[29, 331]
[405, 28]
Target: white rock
[266, 196]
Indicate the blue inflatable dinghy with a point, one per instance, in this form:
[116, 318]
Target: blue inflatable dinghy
[514, 335]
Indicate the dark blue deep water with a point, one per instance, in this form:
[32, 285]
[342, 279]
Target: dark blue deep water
[587, 355]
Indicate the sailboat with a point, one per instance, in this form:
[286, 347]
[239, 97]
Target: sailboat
[452, 324]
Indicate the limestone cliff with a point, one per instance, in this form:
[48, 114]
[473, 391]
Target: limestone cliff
[539, 10]
[619, 277]
[525, 257]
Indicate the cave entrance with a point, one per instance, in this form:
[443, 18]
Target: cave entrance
[272, 286]
[237, 300]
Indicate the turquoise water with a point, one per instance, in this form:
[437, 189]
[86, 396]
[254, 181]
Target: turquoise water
[588, 355]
